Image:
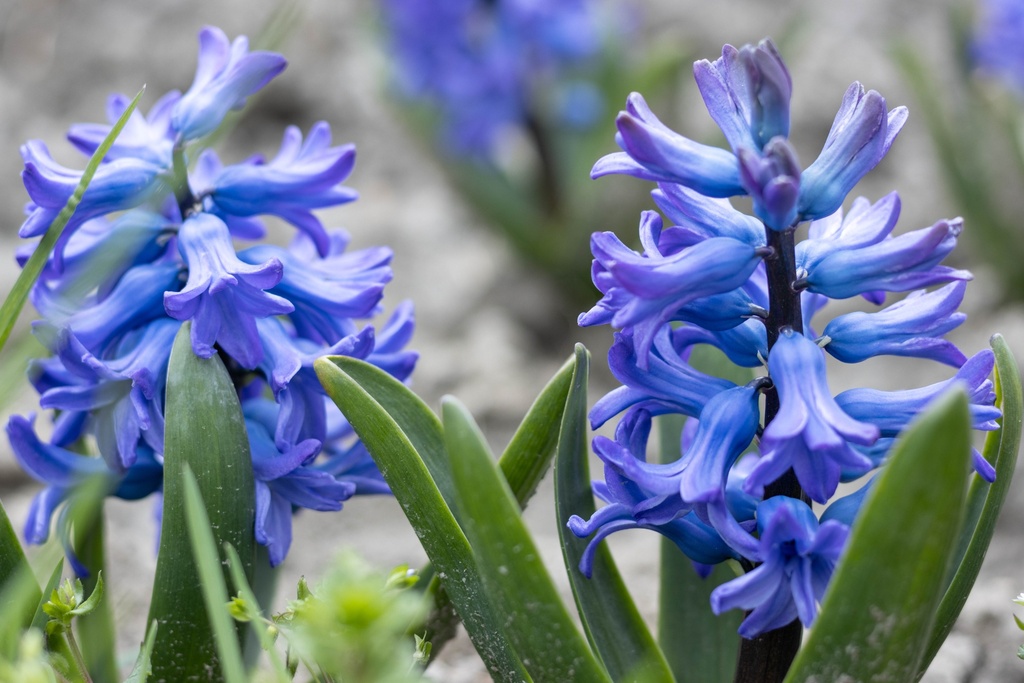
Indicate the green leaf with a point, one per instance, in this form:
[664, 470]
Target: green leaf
[611, 620]
[513, 574]
[524, 463]
[20, 591]
[528, 455]
[984, 500]
[700, 646]
[416, 420]
[880, 606]
[391, 430]
[205, 431]
[143, 667]
[211, 580]
[15, 300]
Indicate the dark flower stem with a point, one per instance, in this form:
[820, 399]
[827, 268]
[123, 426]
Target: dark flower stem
[548, 186]
[767, 658]
[182, 192]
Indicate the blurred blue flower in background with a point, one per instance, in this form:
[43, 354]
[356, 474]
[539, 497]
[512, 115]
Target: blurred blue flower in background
[998, 44]
[489, 66]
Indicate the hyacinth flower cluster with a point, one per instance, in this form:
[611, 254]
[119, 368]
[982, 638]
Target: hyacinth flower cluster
[747, 473]
[494, 66]
[167, 233]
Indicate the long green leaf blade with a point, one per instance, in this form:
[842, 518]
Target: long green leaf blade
[525, 461]
[610, 618]
[389, 436]
[211, 580]
[205, 431]
[515, 578]
[16, 578]
[984, 500]
[143, 667]
[528, 455]
[876, 629]
[416, 419]
[15, 300]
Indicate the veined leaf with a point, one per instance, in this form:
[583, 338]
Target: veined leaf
[211, 580]
[143, 668]
[984, 500]
[19, 591]
[880, 606]
[513, 574]
[524, 462]
[528, 455]
[393, 431]
[205, 431]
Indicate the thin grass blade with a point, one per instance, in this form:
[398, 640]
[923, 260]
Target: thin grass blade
[15, 300]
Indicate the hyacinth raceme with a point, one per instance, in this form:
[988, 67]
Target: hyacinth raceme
[490, 67]
[152, 245]
[744, 477]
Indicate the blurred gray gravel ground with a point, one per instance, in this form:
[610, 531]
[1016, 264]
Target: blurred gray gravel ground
[59, 59]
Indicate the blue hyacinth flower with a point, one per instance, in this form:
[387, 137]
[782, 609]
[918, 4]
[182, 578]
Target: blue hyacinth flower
[911, 327]
[147, 137]
[860, 137]
[747, 93]
[101, 251]
[62, 471]
[226, 74]
[134, 301]
[798, 556]
[285, 480]
[652, 151]
[650, 288]
[668, 380]
[117, 185]
[632, 506]
[223, 296]
[327, 292]
[124, 393]
[811, 434]
[305, 175]
[996, 47]
[891, 411]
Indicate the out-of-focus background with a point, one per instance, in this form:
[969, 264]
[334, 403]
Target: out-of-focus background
[488, 328]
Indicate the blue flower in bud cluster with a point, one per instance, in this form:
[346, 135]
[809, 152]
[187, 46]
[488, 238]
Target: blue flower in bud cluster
[490, 66]
[998, 45]
[744, 284]
[153, 245]
[747, 93]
